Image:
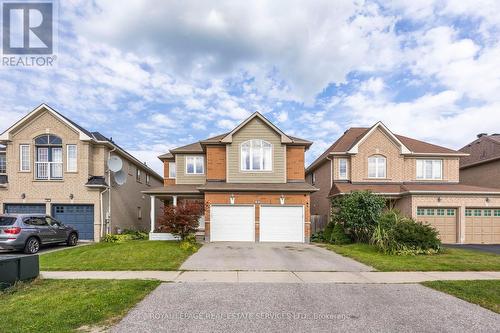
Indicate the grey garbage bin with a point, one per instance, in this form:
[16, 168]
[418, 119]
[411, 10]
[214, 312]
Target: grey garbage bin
[18, 268]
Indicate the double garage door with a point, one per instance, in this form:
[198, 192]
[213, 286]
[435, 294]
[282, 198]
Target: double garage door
[80, 217]
[482, 225]
[236, 223]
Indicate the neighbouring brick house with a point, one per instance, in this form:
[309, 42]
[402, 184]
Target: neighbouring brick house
[51, 165]
[482, 166]
[251, 181]
[418, 178]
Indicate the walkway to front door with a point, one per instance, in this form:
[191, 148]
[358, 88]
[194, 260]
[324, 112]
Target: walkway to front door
[243, 256]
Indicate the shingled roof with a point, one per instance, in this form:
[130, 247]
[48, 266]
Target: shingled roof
[354, 134]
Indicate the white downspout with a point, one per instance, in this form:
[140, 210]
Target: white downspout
[102, 210]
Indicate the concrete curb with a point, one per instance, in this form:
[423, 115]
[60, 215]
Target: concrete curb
[274, 277]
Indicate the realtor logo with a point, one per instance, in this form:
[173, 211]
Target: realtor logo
[27, 28]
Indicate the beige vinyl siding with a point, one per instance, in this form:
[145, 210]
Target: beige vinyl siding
[256, 129]
[182, 177]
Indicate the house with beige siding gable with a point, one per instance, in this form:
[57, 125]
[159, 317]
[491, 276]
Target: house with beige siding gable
[420, 179]
[51, 165]
[250, 181]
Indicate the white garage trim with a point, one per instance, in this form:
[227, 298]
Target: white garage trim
[248, 237]
[270, 231]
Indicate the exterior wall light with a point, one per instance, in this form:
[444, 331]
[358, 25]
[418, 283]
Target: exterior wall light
[231, 199]
[71, 196]
[23, 196]
[282, 199]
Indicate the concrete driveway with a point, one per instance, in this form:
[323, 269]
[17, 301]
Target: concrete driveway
[296, 257]
[244, 307]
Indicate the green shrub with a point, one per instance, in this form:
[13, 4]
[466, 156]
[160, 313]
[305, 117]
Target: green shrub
[358, 212]
[113, 238]
[318, 237]
[327, 233]
[397, 234]
[136, 234]
[339, 235]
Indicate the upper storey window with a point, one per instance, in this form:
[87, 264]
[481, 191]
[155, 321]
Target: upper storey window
[377, 166]
[343, 168]
[429, 169]
[3, 163]
[48, 157]
[256, 155]
[195, 165]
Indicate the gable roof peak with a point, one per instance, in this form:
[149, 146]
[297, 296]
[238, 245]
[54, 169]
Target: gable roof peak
[378, 124]
[284, 138]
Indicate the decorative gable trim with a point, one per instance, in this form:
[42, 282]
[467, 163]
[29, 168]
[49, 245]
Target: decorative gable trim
[403, 149]
[6, 135]
[229, 137]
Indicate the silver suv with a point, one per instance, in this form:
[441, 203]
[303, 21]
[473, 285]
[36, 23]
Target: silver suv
[29, 231]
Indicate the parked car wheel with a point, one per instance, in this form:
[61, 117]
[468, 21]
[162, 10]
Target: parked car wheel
[32, 246]
[72, 239]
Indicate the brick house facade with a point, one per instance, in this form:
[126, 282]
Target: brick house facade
[56, 167]
[251, 180]
[420, 179]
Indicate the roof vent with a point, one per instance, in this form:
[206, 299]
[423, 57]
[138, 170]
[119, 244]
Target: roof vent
[481, 134]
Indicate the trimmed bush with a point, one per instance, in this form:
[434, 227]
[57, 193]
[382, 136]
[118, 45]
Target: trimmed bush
[397, 234]
[339, 235]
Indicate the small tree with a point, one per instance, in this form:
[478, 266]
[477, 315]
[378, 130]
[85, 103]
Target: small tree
[181, 220]
[358, 212]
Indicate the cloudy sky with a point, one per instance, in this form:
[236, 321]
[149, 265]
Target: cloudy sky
[159, 74]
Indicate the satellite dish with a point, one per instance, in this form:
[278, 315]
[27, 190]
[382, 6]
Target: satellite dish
[120, 177]
[115, 163]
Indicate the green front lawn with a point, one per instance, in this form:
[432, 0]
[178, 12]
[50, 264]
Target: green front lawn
[485, 293]
[449, 260]
[66, 305]
[134, 255]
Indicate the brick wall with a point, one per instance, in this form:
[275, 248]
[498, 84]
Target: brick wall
[166, 170]
[487, 175]
[216, 163]
[295, 169]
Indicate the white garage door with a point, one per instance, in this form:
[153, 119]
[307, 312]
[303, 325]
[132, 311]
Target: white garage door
[282, 224]
[232, 223]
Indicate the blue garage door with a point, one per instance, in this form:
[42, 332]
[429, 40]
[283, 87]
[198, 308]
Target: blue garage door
[80, 217]
[24, 208]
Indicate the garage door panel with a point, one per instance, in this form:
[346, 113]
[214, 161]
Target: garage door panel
[444, 220]
[482, 225]
[282, 224]
[232, 223]
[80, 217]
[24, 208]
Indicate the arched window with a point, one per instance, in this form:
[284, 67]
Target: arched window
[48, 157]
[256, 155]
[377, 166]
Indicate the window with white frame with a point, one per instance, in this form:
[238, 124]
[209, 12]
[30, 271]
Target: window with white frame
[171, 170]
[71, 158]
[3, 163]
[343, 168]
[377, 166]
[148, 179]
[138, 175]
[256, 155]
[48, 157]
[429, 169]
[24, 158]
[195, 165]
[313, 178]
